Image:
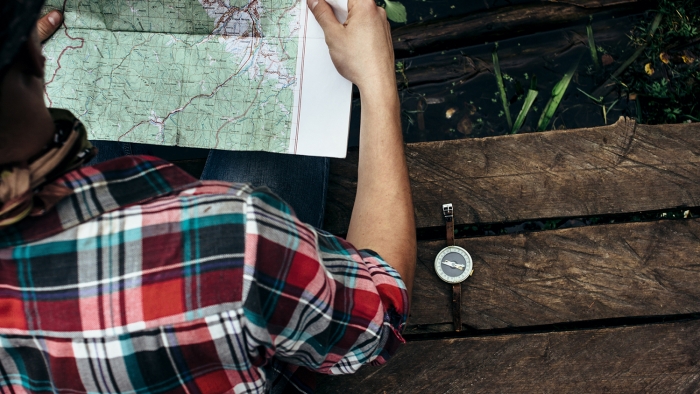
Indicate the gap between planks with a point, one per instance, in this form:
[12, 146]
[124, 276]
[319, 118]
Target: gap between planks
[614, 169]
[651, 358]
[563, 276]
[504, 22]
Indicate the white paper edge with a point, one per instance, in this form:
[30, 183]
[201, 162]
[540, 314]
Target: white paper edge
[322, 105]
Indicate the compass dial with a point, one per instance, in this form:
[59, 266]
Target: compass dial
[453, 264]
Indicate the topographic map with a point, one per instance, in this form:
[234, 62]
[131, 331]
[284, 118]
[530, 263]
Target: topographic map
[197, 73]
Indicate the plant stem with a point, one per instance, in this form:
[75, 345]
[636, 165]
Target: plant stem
[591, 44]
[606, 88]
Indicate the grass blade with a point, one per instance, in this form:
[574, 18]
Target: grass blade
[529, 100]
[591, 44]
[605, 115]
[598, 101]
[501, 86]
[606, 110]
[557, 95]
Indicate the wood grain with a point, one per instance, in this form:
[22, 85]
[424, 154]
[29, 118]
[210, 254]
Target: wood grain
[442, 67]
[577, 274]
[502, 23]
[568, 173]
[663, 358]
[467, 62]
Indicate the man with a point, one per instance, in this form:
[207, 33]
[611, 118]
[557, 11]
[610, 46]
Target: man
[131, 276]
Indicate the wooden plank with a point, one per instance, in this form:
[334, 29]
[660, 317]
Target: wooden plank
[502, 23]
[662, 358]
[567, 173]
[577, 274]
[466, 62]
[418, 10]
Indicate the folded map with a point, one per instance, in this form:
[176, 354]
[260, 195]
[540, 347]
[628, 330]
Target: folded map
[216, 74]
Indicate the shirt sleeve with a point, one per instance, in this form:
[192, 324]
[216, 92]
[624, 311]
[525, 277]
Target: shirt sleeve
[311, 298]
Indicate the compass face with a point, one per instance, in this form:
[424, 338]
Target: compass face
[453, 264]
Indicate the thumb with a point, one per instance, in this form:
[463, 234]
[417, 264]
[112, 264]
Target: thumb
[47, 25]
[323, 13]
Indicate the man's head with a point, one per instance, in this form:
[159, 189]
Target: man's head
[25, 124]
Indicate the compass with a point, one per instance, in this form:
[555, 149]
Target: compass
[453, 264]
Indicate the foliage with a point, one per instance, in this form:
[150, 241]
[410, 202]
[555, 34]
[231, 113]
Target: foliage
[557, 95]
[667, 75]
[501, 86]
[401, 70]
[395, 11]
[529, 100]
[552, 105]
[591, 44]
[599, 101]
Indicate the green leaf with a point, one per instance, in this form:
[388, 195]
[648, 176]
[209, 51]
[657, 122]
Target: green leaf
[529, 100]
[591, 44]
[501, 86]
[395, 11]
[557, 96]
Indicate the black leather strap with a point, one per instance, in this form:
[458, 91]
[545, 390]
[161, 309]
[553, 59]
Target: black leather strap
[456, 306]
[450, 224]
[448, 212]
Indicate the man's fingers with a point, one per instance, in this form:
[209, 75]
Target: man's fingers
[48, 25]
[360, 3]
[324, 15]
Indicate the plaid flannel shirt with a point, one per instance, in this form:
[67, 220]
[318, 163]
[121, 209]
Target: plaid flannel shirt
[146, 280]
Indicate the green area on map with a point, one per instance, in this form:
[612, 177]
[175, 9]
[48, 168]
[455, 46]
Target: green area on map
[208, 74]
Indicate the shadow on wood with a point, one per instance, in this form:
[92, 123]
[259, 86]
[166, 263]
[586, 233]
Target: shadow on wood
[502, 23]
[578, 274]
[661, 358]
[568, 173]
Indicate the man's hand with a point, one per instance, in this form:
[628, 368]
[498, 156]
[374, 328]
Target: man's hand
[361, 48]
[48, 25]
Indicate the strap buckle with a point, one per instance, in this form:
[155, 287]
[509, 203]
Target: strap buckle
[448, 212]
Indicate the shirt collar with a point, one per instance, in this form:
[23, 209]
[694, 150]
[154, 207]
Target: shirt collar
[24, 186]
[93, 191]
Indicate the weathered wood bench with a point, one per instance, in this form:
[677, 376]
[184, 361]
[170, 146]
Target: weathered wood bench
[612, 307]
[605, 308]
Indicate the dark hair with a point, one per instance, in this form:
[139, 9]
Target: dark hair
[17, 19]
[3, 71]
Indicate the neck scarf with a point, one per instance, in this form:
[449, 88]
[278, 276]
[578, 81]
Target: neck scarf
[26, 188]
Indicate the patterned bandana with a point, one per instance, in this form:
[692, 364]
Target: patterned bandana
[22, 186]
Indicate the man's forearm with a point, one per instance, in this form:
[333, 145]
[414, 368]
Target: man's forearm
[382, 218]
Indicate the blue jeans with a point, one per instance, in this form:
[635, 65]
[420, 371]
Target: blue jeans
[301, 181]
